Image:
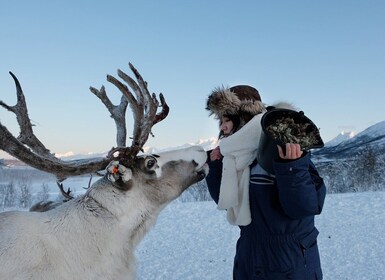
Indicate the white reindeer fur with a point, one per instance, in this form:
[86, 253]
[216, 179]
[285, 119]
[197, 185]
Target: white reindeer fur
[93, 236]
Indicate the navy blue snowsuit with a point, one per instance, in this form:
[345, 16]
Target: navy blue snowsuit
[281, 240]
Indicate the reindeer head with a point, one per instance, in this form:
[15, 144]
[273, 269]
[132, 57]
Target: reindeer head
[153, 179]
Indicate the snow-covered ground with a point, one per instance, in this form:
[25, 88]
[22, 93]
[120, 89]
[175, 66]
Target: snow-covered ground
[193, 240]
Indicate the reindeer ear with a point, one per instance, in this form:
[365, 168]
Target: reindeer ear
[119, 175]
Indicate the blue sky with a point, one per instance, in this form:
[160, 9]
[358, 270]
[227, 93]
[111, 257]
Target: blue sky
[325, 57]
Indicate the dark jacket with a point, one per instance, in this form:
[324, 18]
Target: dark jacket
[281, 241]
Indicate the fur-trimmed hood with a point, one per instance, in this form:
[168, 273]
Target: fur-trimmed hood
[237, 100]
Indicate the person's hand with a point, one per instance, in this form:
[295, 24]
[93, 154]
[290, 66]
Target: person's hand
[293, 151]
[215, 154]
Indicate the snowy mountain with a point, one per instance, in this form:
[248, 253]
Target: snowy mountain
[371, 138]
[206, 144]
[343, 136]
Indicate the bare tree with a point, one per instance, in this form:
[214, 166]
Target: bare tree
[197, 192]
[25, 196]
[7, 195]
[43, 194]
[367, 171]
[363, 172]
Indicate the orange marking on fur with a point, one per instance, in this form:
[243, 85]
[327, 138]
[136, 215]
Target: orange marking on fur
[115, 170]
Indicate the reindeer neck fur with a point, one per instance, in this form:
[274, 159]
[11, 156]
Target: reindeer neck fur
[131, 212]
[128, 212]
[100, 243]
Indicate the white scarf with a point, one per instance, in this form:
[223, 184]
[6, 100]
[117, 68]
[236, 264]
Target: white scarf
[239, 150]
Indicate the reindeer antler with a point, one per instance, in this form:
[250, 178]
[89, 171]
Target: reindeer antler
[26, 136]
[144, 107]
[27, 147]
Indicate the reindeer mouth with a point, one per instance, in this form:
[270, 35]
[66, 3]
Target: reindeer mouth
[202, 171]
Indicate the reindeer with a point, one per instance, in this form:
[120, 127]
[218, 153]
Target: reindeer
[94, 236]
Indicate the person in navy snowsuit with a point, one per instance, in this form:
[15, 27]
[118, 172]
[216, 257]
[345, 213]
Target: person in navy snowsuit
[275, 211]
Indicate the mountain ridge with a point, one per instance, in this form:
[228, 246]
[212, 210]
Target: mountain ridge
[372, 137]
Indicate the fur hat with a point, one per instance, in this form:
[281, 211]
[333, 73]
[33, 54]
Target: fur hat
[241, 100]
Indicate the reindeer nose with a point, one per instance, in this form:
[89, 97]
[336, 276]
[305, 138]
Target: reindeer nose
[200, 156]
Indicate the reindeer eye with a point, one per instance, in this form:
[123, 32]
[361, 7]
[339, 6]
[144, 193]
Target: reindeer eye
[150, 163]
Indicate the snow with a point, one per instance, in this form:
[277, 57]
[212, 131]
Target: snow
[343, 136]
[194, 241]
[375, 130]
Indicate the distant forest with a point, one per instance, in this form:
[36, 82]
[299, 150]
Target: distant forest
[363, 172]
